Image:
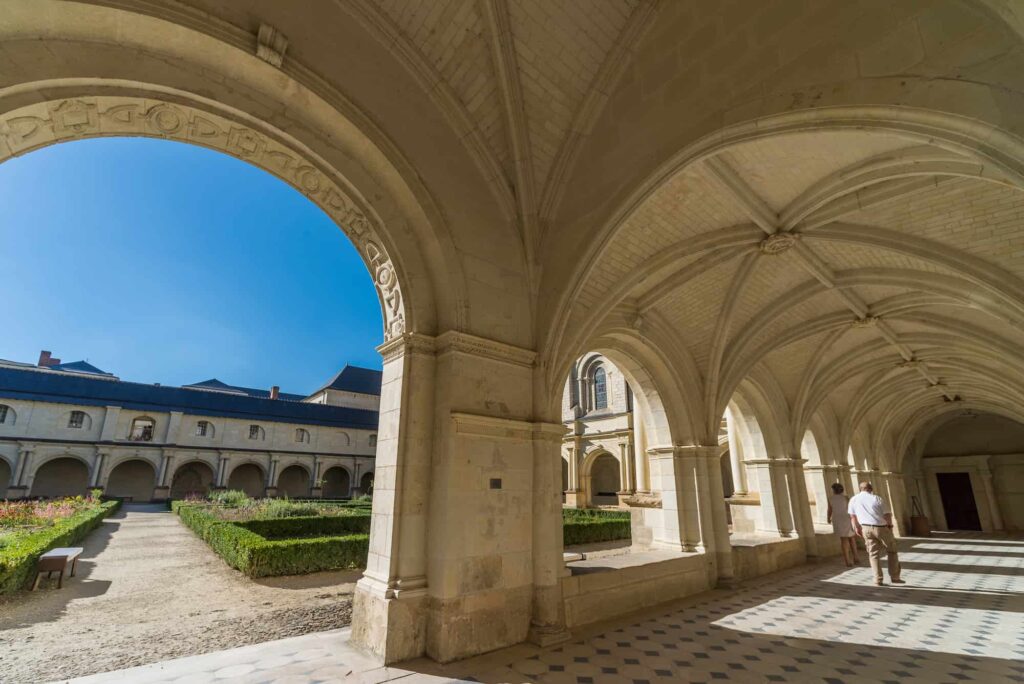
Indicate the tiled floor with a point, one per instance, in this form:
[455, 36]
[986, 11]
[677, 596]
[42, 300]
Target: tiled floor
[960, 617]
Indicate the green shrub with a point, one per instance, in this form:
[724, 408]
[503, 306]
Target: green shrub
[590, 525]
[230, 498]
[257, 556]
[19, 554]
[312, 526]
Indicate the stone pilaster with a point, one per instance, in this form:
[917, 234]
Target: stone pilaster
[801, 505]
[675, 476]
[714, 522]
[985, 474]
[18, 487]
[770, 478]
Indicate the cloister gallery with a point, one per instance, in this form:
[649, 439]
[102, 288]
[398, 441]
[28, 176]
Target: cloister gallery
[806, 218]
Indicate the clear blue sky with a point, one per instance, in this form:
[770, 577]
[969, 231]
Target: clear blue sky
[165, 262]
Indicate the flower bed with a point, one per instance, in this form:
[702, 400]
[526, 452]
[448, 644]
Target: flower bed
[590, 525]
[281, 546]
[29, 529]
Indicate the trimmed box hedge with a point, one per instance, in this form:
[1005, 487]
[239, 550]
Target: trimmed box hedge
[18, 557]
[588, 525]
[248, 551]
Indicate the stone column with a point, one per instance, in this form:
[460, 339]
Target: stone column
[986, 482]
[896, 493]
[96, 475]
[162, 492]
[547, 623]
[714, 526]
[823, 477]
[221, 476]
[18, 487]
[771, 487]
[935, 499]
[624, 458]
[641, 467]
[572, 494]
[676, 528]
[271, 486]
[801, 505]
[390, 607]
[739, 473]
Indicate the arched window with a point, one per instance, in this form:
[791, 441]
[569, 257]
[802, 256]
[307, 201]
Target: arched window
[302, 435]
[7, 415]
[76, 420]
[204, 428]
[600, 389]
[255, 432]
[373, 440]
[142, 429]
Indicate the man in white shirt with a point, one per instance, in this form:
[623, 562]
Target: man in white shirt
[872, 520]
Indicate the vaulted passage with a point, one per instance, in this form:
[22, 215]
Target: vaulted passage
[692, 260]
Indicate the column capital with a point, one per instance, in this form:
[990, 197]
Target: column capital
[407, 343]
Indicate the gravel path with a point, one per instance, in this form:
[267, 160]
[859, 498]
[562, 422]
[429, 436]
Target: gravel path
[147, 589]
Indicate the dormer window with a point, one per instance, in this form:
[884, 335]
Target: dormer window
[76, 420]
[142, 429]
[302, 435]
[204, 429]
[255, 432]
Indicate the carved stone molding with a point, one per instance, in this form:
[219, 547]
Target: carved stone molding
[407, 343]
[270, 45]
[453, 341]
[642, 500]
[777, 243]
[46, 123]
[506, 428]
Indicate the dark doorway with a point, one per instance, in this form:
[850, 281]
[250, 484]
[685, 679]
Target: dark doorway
[958, 501]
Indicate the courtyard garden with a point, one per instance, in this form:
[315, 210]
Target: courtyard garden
[29, 529]
[271, 537]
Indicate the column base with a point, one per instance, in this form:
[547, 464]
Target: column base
[572, 499]
[270, 492]
[161, 493]
[316, 492]
[726, 583]
[390, 627]
[544, 636]
[16, 492]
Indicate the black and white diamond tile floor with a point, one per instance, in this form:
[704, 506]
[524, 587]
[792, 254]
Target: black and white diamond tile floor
[959, 618]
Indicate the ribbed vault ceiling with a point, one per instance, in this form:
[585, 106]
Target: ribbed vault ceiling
[861, 275]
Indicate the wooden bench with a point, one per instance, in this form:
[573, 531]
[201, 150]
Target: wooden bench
[56, 560]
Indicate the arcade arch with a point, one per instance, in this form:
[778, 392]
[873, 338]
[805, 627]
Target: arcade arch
[248, 477]
[293, 481]
[132, 479]
[192, 479]
[337, 483]
[60, 476]
[810, 239]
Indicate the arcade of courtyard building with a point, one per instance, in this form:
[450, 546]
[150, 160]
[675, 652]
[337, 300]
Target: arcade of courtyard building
[795, 232]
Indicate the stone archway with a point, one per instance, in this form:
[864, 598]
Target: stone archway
[604, 480]
[63, 476]
[293, 482]
[366, 484]
[192, 479]
[337, 483]
[133, 479]
[249, 478]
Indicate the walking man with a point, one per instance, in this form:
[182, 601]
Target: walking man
[872, 520]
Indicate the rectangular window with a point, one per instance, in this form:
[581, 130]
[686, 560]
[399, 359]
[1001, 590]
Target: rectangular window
[76, 420]
[201, 428]
[3, 415]
[254, 432]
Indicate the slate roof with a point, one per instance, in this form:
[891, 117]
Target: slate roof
[216, 385]
[79, 367]
[355, 379]
[39, 385]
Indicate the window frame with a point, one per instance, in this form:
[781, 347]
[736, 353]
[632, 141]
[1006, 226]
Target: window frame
[302, 435]
[148, 431]
[202, 428]
[5, 410]
[256, 432]
[599, 381]
[76, 424]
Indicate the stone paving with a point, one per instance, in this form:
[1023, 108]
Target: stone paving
[959, 618]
